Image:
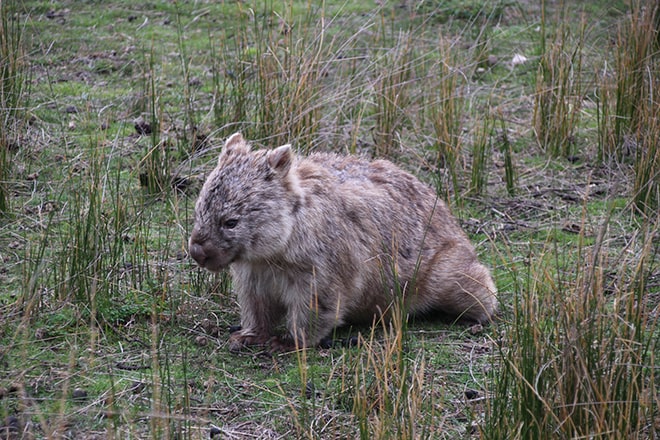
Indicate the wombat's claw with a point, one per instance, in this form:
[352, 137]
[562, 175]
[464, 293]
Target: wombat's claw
[282, 345]
[238, 341]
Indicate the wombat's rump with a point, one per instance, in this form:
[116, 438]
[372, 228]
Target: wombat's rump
[325, 240]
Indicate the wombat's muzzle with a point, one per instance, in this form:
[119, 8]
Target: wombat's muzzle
[197, 253]
[207, 255]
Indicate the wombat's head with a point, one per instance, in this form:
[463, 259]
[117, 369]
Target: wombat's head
[246, 207]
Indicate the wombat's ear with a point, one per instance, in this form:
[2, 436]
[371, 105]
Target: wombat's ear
[280, 158]
[234, 140]
[235, 143]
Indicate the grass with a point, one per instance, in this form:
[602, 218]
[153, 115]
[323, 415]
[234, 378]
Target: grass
[13, 95]
[107, 329]
[559, 96]
[591, 377]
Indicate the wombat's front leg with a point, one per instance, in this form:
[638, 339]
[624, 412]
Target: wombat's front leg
[259, 315]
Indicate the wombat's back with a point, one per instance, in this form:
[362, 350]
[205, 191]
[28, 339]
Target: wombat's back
[378, 222]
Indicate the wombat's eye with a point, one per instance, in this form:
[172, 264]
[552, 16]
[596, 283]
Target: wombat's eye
[231, 223]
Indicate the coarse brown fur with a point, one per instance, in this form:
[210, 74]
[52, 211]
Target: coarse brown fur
[324, 240]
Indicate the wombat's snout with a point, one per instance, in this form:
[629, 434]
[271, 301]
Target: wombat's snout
[197, 252]
[207, 254]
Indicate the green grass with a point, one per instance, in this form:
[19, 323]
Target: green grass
[108, 329]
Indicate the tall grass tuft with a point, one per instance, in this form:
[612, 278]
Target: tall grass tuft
[388, 386]
[447, 119]
[189, 128]
[646, 188]
[507, 153]
[577, 356]
[156, 164]
[635, 63]
[13, 83]
[638, 95]
[392, 94]
[275, 67]
[481, 150]
[558, 87]
[92, 240]
[628, 113]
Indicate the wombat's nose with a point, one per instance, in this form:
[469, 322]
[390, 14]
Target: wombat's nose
[197, 253]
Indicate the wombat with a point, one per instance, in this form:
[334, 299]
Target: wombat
[326, 240]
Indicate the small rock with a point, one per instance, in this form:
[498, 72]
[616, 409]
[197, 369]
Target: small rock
[49, 206]
[41, 333]
[518, 59]
[491, 60]
[71, 109]
[471, 394]
[210, 328]
[79, 394]
[143, 128]
[201, 341]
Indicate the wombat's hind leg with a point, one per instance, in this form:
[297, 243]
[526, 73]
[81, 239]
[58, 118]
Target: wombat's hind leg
[479, 295]
[462, 292]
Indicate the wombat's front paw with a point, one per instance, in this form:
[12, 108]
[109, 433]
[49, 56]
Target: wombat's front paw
[241, 339]
[282, 345]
